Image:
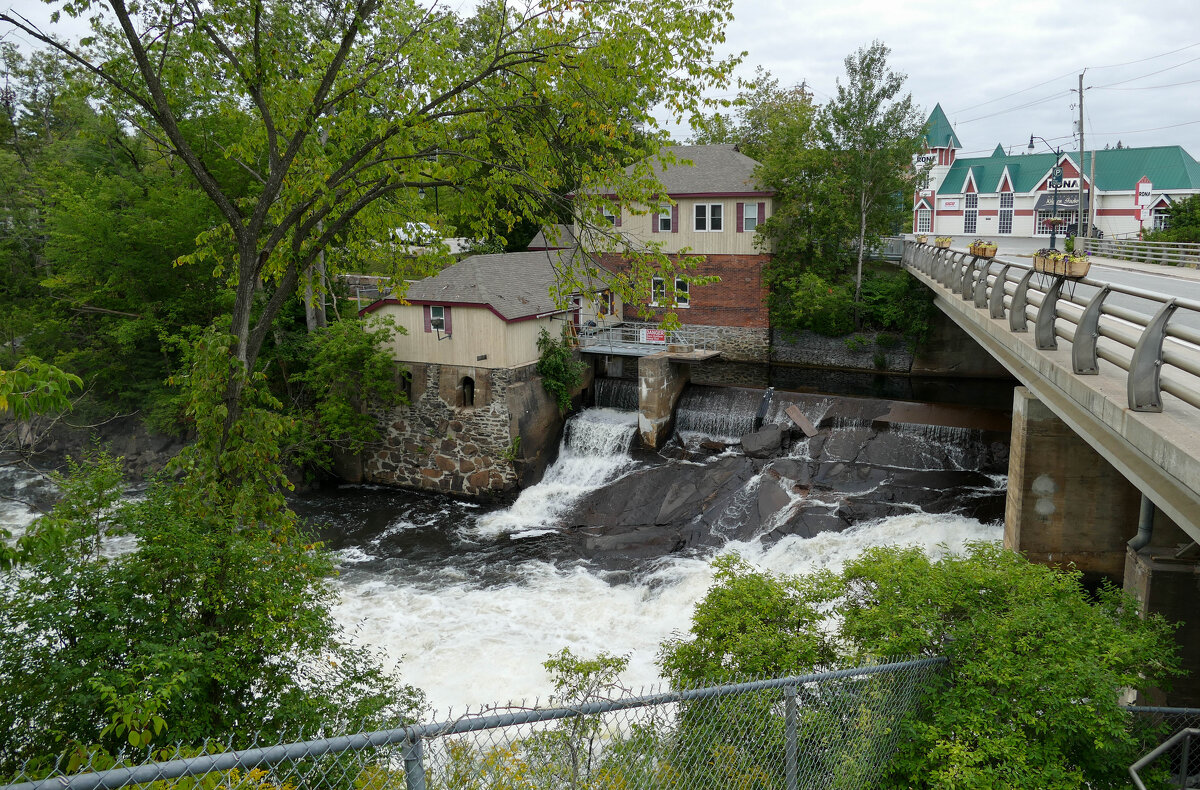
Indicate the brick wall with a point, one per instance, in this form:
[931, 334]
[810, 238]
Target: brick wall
[739, 299]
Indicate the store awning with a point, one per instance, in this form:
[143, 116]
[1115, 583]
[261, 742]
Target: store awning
[1067, 201]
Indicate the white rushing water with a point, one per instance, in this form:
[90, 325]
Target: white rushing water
[594, 451]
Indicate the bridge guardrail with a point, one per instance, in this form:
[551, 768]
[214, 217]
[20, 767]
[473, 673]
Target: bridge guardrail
[1164, 252]
[1157, 355]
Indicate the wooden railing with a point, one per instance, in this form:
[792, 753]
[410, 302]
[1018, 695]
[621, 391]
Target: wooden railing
[1164, 252]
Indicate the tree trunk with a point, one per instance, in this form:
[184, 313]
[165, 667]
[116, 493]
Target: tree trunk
[862, 233]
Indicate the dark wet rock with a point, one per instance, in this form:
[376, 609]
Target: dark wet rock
[763, 443]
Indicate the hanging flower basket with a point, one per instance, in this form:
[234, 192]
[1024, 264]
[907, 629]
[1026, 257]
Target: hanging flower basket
[1062, 264]
[983, 249]
[943, 242]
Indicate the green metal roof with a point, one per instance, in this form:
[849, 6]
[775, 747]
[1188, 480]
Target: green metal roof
[938, 131]
[999, 150]
[1167, 167]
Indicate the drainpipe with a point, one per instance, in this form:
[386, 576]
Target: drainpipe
[1145, 525]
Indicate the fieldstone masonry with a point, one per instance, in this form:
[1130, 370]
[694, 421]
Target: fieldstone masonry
[467, 430]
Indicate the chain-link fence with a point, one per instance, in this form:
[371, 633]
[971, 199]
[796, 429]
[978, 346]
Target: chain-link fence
[827, 730]
[1172, 739]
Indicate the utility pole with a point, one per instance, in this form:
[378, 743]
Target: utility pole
[1081, 229]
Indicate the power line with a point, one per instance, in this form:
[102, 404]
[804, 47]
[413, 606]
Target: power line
[1143, 60]
[1148, 87]
[1033, 103]
[1151, 74]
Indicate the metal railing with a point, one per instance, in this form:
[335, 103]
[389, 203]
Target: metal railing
[1165, 252]
[1158, 354]
[827, 729]
[648, 336]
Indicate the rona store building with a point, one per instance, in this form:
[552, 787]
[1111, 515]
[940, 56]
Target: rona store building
[1009, 194]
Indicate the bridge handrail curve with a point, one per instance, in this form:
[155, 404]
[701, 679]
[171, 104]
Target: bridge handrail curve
[1146, 350]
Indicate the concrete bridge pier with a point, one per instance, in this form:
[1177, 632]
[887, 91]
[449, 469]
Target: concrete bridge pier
[1066, 503]
[660, 382]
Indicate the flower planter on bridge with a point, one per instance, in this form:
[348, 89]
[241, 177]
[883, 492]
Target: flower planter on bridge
[983, 249]
[1061, 264]
[942, 242]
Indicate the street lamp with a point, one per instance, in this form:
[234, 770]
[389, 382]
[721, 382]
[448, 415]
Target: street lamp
[1055, 181]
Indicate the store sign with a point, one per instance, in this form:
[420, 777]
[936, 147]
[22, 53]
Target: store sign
[654, 336]
[1069, 183]
[950, 204]
[926, 193]
[924, 160]
[1144, 188]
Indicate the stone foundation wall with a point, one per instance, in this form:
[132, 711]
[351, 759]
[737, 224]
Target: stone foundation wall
[861, 351]
[441, 441]
[736, 343]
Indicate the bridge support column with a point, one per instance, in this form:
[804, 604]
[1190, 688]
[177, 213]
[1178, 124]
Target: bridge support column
[660, 381]
[1162, 570]
[1066, 503]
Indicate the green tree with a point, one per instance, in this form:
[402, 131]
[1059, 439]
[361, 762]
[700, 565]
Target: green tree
[873, 133]
[355, 106]
[561, 373]
[1030, 696]
[1183, 223]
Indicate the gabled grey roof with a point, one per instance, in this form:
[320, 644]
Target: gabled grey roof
[514, 284]
[715, 169]
[564, 237]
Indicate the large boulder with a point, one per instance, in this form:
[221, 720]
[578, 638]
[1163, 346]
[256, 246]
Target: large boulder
[763, 443]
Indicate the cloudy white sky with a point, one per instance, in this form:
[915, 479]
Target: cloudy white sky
[1001, 70]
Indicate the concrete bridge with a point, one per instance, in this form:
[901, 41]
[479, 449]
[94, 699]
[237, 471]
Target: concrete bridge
[1105, 457]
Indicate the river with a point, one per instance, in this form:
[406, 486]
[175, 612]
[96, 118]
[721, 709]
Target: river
[470, 599]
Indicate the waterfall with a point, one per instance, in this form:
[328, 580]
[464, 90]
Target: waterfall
[594, 451]
[617, 394]
[723, 414]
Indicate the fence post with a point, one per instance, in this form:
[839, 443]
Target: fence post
[414, 766]
[791, 758]
[1184, 758]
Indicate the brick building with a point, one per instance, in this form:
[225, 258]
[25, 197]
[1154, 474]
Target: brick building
[711, 207]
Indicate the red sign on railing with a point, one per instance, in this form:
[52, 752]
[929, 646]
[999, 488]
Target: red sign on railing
[654, 336]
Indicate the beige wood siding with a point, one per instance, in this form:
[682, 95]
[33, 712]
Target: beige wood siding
[724, 242]
[476, 331]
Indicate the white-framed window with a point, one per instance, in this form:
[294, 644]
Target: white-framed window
[1162, 218]
[1005, 223]
[970, 212]
[658, 292]
[750, 218]
[682, 297]
[664, 218]
[709, 217]
[924, 220]
[610, 215]
[437, 317]
[1042, 228]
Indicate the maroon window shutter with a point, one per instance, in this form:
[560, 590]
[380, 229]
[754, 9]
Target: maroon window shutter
[428, 318]
[762, 213]
[654, 222]
[741, 214]
[675, 218]
[449, 325]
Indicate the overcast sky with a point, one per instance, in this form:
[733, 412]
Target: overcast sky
[1001, 70]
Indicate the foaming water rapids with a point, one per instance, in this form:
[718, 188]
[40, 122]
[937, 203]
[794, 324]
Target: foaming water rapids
[594, 451]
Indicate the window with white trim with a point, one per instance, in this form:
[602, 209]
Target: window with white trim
[1042, 228]
[1162, 218]
[664, 218]
[658, 291]
[750, 218]
[970, 212]
[1005, 223]
[437, 317]
[924, 220]
[609, 215]
[709, 216]
[682, 297]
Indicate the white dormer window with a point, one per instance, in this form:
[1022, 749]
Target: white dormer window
[708, 217]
